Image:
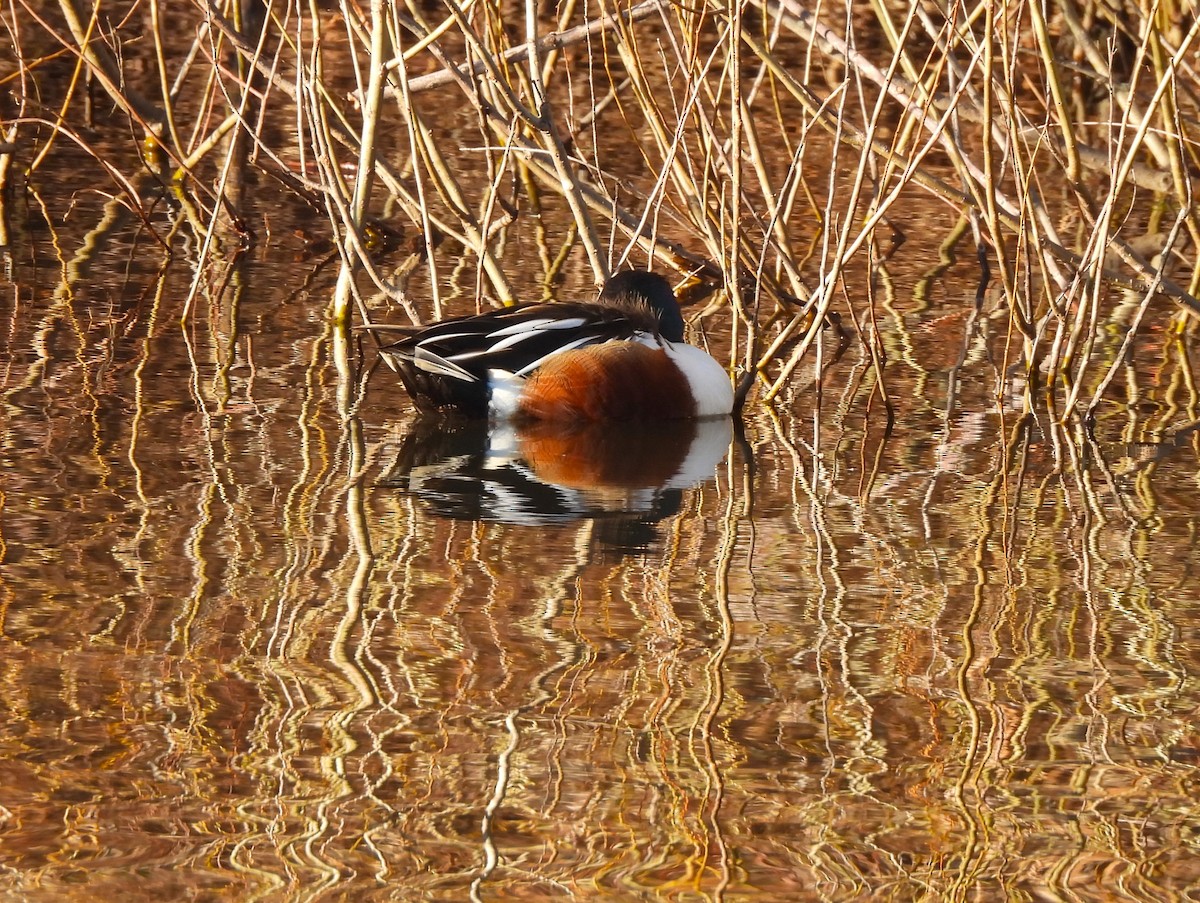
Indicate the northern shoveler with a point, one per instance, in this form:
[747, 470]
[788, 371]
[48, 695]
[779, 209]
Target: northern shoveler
[619, 358]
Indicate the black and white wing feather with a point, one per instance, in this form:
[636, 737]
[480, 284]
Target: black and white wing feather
[447, 364]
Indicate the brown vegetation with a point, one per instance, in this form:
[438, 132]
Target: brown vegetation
[762, 147]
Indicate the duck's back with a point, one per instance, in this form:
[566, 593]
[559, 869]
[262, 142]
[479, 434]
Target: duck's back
[448, 364]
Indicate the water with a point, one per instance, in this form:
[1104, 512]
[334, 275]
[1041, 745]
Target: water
[248, 655]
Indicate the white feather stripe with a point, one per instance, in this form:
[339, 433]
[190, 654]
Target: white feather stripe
[711, 388]
[539, 325]
[504, 394]
[512, 339]
[446, 337]
[426, 360]
[648, 339]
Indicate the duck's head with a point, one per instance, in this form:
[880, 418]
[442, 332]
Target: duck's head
[639, 287]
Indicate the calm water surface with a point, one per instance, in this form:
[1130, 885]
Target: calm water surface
[249, 655]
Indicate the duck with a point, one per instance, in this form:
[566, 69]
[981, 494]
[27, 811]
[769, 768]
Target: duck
[620, 358]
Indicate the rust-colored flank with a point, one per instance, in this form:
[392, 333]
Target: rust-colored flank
[612, 381]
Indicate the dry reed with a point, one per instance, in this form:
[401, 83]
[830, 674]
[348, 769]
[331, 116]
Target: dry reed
[1065, 137]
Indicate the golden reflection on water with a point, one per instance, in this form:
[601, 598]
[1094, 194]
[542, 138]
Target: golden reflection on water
[237, 662]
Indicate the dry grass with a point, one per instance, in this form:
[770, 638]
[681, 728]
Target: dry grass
[1067, 144]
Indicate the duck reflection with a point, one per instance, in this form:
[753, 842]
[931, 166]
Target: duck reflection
[625, 476]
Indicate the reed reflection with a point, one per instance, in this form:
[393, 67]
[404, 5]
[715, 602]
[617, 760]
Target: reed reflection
[624, 476]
